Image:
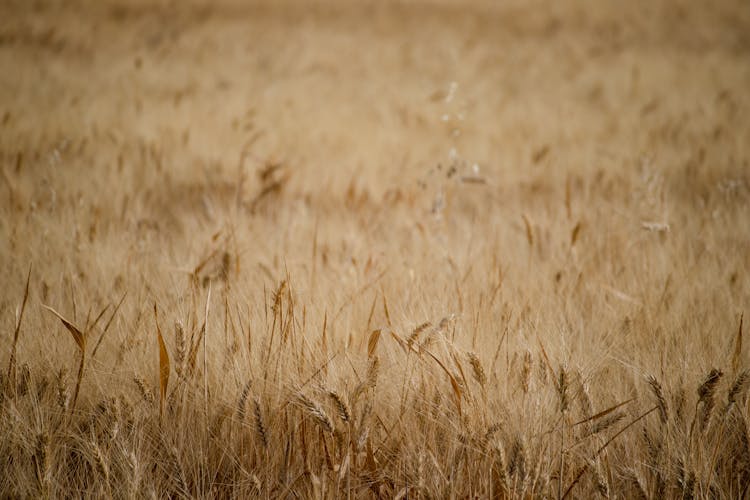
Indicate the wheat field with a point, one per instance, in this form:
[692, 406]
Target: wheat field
[359, 249]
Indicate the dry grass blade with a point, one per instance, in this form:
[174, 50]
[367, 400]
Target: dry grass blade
[80, 339]
[78, 336]
[16, 333]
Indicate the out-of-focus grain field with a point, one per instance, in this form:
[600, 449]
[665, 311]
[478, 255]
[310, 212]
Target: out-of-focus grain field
[419, 249]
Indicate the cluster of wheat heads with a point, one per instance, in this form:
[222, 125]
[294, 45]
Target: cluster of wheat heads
[399, 413]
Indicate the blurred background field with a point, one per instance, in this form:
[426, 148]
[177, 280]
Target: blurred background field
[556, 193]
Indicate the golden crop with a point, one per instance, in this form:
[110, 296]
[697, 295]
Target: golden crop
[413, 249]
